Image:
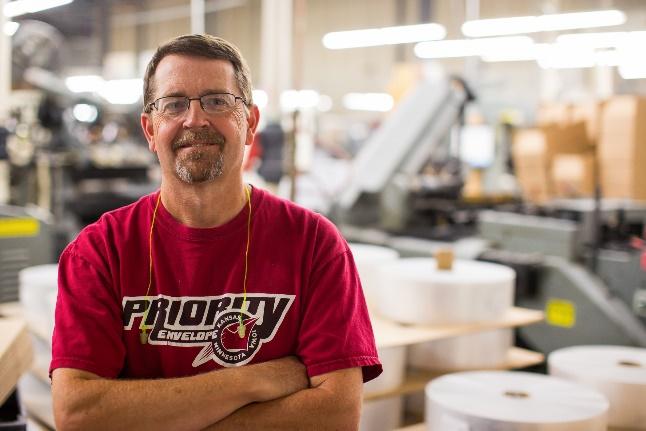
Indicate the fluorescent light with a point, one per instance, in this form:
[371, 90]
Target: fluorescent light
[555, 56]
[260, 98]
[594, 40]
[84, 83]
[485, 47]
[534, 24]
[122, 91]
[499, 26]
[11, 27]
[524, 55]
[609, 57]
[571, 21]
[325, 103]
[383, 36]
[21, 7]
[380, 102]
[85, 113]
[291, 100]
[633, 70]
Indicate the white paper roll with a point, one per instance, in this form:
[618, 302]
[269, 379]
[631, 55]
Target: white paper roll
[381, 415]
[486, 349]
[393, 361]
[512, 401]
[37, 290]
[369, 258]
[414, 291]
[616, 371]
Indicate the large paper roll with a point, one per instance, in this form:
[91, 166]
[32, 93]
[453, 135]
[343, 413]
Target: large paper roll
[393, 361]
[414, 291]
[616, 371]
[37, 291]
[481, 350]
[512, 401]
[369, 258]
[381, 415]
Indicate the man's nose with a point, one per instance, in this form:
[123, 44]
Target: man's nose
[195, 115]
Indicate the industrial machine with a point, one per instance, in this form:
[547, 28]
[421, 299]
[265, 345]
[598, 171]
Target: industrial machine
[406, 177]
[26, 239]
[582, 263]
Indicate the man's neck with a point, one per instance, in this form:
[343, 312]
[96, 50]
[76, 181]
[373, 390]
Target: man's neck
[204, 205]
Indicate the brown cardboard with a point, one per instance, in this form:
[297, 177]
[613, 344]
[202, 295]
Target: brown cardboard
[622, 148]
[567, 139]
[620, 178]
[573, 175]
[533, 152]
[590, 114]
[554, 113]
[531, 157]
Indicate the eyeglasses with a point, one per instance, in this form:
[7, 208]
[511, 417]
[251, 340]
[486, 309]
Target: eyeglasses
[213, 103]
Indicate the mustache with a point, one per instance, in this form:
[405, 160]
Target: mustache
[201, 136]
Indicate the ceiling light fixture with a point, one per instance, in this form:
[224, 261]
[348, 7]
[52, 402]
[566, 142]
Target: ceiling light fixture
[384, 36]
[379, 102]
[22, 7]
[474, 47]
[11, 27]
[84, 83]
[535, 24]
[122, 91]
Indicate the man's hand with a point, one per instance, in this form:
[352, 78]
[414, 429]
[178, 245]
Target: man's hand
[83, 400]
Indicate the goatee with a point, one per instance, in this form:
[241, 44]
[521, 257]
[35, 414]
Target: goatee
[200, 163]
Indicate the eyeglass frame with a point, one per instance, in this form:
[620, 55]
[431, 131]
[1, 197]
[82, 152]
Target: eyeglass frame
[153, 104]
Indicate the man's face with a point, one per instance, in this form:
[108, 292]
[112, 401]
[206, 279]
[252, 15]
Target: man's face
[196, 147]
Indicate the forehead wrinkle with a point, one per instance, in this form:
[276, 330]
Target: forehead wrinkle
[186, 74]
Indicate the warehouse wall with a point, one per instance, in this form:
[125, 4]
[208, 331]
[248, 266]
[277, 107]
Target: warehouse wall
[372, 69]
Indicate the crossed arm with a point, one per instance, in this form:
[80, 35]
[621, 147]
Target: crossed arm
[270, 395]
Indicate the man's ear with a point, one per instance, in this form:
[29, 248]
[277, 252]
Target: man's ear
[149, 131]
[252, 123]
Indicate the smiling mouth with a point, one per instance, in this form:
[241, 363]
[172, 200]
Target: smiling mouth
[197, 145]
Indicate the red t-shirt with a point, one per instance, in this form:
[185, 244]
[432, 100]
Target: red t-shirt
[304, 297]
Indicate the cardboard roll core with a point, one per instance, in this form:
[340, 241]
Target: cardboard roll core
[516, 394]
[630, 364]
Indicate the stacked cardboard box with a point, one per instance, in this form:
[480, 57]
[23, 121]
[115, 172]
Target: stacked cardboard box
[590, 114]
[622, 148]
[538, 151]
[573, 175]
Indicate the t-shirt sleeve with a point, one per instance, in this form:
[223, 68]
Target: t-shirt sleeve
[335, 329]
[87, 332]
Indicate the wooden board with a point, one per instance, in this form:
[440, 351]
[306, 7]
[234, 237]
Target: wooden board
[390, 334]
[11, 309]
[416, 380]
[16, 354]
[37, 328]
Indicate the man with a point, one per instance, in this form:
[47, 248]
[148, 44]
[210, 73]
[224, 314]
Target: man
[208, 305]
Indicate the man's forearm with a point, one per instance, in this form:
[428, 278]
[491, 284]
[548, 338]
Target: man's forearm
[189, 403]
[325, 407]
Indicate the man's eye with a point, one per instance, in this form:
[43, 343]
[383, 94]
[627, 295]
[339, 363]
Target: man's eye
[177, 105]
[216, 101]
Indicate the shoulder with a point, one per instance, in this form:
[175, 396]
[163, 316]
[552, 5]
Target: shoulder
[306, 221]
[112, 227]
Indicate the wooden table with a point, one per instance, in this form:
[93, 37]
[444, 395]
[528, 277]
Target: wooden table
[16, 354]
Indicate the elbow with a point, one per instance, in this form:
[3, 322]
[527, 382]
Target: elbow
[345, 415]
[70, 416]
[67, 420]
[351, 418]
